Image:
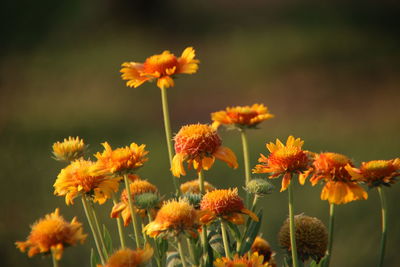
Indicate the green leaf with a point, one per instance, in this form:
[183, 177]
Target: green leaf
[173, 259]
[216, 243]
[250, 234]
[107, 240]
[94, 258]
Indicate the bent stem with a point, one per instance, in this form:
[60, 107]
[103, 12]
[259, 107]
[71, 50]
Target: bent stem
[330, 232]
[97, 225]
[180, 249]
[168, 134]
[384, 225]
[133, 215]
[91, 224]
[246, 159]
[292, 228]
[119, 223]
[53, 256]
[225, 240]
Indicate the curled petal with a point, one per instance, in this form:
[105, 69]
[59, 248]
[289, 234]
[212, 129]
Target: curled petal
[250, 213]
[226, 155]
[286, 181]
[177, 165]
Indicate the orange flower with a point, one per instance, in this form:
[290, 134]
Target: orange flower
[52, 233]
[129, 258]
[226, 204]
[174, 217]
[69, 150]
[199, 145]
[376, 172]
[122, 160]
[137, 187]
[81, 177]
[339, 187]
[194, 187]
[241, 116]
[162, 67]
[284, 160]
[254, 260]
[262, 247]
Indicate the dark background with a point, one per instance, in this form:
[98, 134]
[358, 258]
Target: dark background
[329, 73]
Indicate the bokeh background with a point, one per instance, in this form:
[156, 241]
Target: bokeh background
[328, 71]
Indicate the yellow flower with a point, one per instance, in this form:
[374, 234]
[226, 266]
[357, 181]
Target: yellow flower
[254, 260]
[376, 172]
[339, 187]
[162, 67]
[52, 233]
[262, 247]
[284, 160]
[129, 258]
[194, 187]
[137, 187]
[226, 204]
[80, 177]
[69, 150]
[241, 116]
[122, 160]
[199, 145]
[174, 217]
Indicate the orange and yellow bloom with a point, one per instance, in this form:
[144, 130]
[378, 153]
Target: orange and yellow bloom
[194, 187]
[162, 67]
[225, 204]
[284, 160]
[262, 247]
[254, 260]
[199, 145]
[51, 234]
[69, 150]
[81, 177]
[129, 258]
[241, 116]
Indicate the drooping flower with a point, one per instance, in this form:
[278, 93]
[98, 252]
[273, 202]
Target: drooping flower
[162, 67]
[52, 233]
[284, 160]
[82, 177]
[376, 172]
[199, 145]
[193, 187]
[262, 247]
[254, 260]
[311, 237]
[241, 116]
[225, 204]
[129, 258]
[69, 150]
[137, 187]
[124, 160]
[174, 217]
[340, 187]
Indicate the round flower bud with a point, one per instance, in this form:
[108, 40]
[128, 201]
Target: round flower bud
[259, 187]
[193, 199]
[147, 200]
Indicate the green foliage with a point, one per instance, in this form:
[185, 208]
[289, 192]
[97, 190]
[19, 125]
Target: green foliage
[94, 258]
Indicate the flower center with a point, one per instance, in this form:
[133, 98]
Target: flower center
[160, 63]
[222, 202]
[244, 116]
[378, 168]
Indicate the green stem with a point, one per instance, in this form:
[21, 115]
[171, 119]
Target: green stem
[246, 159]
[91, 224]
[204, 244]
[120, 228]
[180, 249]
[53, 256]
[330, 232]
[168, 133]
[97, 225]
[292, 228]
[384, 225]
[201, 182]
[225, 240]
[253, 207]
[192, 251]
[133, 214]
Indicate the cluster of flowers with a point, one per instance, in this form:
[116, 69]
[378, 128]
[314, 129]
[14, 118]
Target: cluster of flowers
[207, 217]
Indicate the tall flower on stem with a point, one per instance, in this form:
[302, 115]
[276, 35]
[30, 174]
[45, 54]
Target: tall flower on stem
[286, 160]
[162, 67]
[378, 173]
[253, 260]
[69, 150]
[129, 258]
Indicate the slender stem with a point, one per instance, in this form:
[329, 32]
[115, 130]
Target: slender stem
[384, 225]
[179, 241]
[133, 214]
[146, 239]
[97, 225]
[246, 159]
[292, 228]
[120, 228]
[168, 133]
[225, 240]
[253, 207]
[91, 224]
[201, 182]
[330, 232]
[192, 251]
[53, 256]
[204, 244]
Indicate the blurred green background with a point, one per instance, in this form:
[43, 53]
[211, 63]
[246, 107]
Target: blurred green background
[329, 73]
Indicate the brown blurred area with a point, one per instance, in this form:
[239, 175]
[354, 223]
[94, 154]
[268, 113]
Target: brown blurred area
[328, 71]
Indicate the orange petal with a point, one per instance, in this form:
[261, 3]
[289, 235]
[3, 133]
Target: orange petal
[286, 181]
[250, 213]
[226, 155]
[207, 162]
[165, 82]
[177, 165]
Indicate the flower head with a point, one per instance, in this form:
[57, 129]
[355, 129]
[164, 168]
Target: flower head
[199, 145]
[82, 177]
[241, 116]
[226, 204]
[262, 247]
[69, 150]
[259, 187]
[193, 187]
[311, 237]
[162, 67]
[52, 233]
[254, 260]
[284, 160]
[376, 172]
[122, 160]
[174, 218]
[129, 258]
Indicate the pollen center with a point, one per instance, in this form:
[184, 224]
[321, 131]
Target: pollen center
[160, 63]
[223, 201]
